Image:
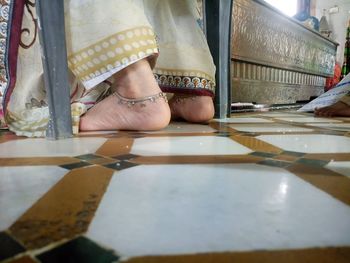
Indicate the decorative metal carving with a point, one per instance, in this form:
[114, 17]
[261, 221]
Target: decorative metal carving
[267, 85]
[253, 72]
[249, 91]
[264, 36]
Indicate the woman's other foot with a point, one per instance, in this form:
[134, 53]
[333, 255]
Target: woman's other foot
[134, 82]
[197, 109]
[337, 109]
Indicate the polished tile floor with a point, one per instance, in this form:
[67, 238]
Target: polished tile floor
[258, 187]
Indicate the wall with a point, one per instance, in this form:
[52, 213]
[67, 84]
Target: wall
[338, 22]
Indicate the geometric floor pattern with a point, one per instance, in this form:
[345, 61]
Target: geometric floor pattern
[257, 187]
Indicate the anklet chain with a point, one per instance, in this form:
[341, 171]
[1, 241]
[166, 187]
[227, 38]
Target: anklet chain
[141, 101]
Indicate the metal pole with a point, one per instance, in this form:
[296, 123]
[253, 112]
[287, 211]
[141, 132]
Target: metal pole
[218, 19]
[54, 59]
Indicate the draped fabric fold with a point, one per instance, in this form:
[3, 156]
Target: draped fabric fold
[103, 37]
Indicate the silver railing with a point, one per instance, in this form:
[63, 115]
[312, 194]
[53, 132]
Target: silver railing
[54, 58]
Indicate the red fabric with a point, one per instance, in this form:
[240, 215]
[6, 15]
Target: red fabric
[196, 92]
[15, 36]
[333, 81]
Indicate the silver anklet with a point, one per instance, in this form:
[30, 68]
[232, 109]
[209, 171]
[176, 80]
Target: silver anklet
[141, 101]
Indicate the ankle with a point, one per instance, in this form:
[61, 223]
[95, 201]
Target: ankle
[195, 109]
[203, 113]
[136, 81]
[142, 102]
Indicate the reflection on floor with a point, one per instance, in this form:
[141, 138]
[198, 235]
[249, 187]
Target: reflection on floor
[263, 187]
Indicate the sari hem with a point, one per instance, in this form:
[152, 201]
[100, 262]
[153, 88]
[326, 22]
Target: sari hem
[12, 52]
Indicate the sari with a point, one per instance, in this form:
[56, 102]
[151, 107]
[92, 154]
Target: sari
[346, 99]
[102, 38]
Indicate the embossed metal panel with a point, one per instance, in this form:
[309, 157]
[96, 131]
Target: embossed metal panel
[262, 35]
[267, 85]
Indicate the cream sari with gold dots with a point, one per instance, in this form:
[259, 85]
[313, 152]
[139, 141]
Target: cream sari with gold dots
[103, 37]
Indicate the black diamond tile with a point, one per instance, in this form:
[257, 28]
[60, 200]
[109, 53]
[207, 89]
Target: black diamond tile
[88, 157]
[136, 135]
[120, 165]
[312, 162]
[8, 246]
[296, 154]
[126, 157]
[223, 134]
[263, 154]
[79, 250]
[75, 165]
[275, 163]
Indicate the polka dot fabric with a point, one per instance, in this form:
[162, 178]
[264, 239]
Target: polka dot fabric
[116, 51]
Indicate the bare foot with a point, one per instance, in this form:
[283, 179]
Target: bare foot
[135, 81]
[196, 109]
[337, 109]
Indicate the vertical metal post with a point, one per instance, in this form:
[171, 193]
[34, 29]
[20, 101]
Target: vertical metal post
[54, 59]
[218, 19]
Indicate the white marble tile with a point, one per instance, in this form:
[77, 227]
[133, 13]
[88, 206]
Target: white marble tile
[339, 167]
[268, 128]
[183, 127]
[244, 120]
[21, 187]
[308, 119]
[309, 143]
[332, 126]
[187, 145]
[181, 209]
[98, 132]
[281, 114]
[43, 147]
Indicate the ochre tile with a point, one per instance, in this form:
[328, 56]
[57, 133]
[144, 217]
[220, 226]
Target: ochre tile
[37, 161]
[220, 126]
[312, 255]
[24, 259]
[331, 182]
[10, 137]
[256, 145]
[197, 159]
[263, 154]
[116, 146]
[328, 157]
[65, 211]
